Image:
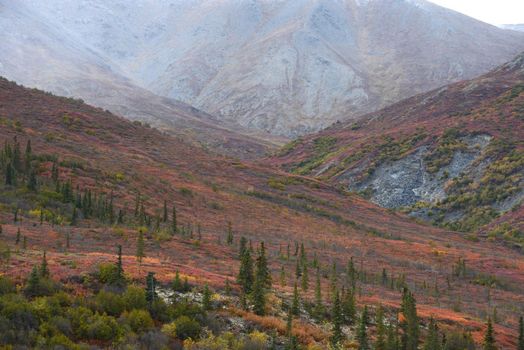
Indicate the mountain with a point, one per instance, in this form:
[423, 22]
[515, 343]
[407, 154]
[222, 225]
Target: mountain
[286, 67]
[453, 156]
[43, 54]
[518, 27]
[92, 181]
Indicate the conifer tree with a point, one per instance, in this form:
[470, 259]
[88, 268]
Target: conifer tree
[177, 283]
[392, 338]
[262, 270]
[303, 257]
[349, 308]
[362, 337]
[32, 184]
[298, 270]
[259, 297]
[295, 306]
[174, 224]
[319, 307]
[520, 342]
[119, 278]
[74, 217]
[9, 174]
[245, 274]
[140, 247]
[380, 342]
[28, 156]
[24, 243]
[292, 343]
[432, 339]
[206, 298]
[409, 325]
[351, 272]
[337, 336]
[333, 279]
[44, 269]
[230, 238]
[305, 278]
[68, 240]
[489, 337]
[33, 283]
[18, 236]
[151, 295]
[243, 247]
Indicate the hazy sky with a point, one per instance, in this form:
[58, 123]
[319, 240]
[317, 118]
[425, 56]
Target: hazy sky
[490, 11]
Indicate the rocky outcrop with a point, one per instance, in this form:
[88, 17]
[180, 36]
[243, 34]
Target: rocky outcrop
[407, 181]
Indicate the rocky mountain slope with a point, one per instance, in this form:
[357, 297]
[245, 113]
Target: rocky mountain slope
[40, 53]
[453, 156]
[78, 149]
[287, 67]
[518, 27]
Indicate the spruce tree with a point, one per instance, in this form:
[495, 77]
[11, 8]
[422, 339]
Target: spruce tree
[392, 338]
[349, 308]
[151, 295]
[295, 306]
[262, 270]
[245, 274]
[336, 314]
[259, 296]
[489, 337]
[9, 175]
[206, 298]
[319, 307]
[432, 339]
[32, 184]
[380, 342]
[520, 343]
[177, 283]
[140, 247]
[33, 283]
[18, 236]
[44, 269]
[74, 217]
[28, 156]
[119, 278]
[230, 238]
[362, 337]
[174, 224]
[305, 278]
[410, 324]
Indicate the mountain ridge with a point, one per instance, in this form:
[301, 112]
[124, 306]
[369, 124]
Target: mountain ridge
[285, 67]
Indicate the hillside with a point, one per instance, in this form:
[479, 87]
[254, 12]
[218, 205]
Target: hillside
[453, 156]
[82, 155]
[284, 67]
[40, 54]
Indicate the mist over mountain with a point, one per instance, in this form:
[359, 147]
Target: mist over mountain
[286, 67]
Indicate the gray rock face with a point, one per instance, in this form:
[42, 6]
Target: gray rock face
[406, 181]
[284, 66]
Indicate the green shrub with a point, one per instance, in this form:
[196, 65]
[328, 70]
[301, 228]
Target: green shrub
[110, 303]
[102, 327]
[134, 298]
[6, 285]
[139, 321]
[187, 328]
